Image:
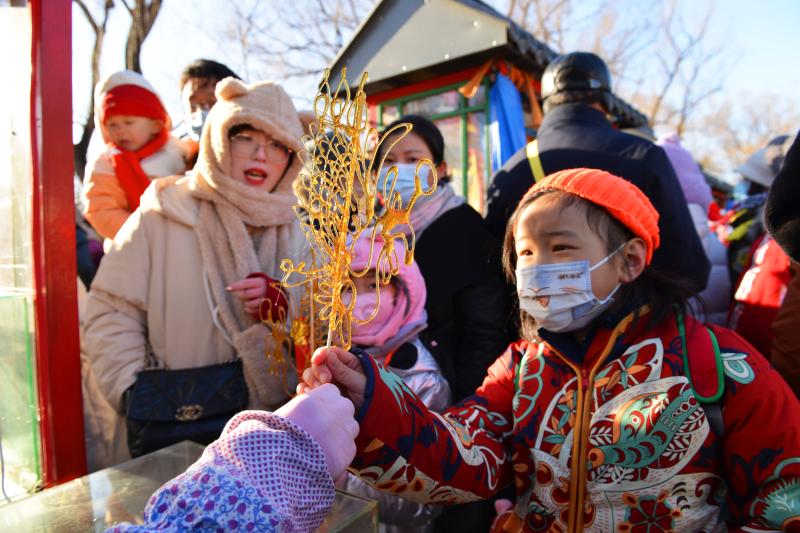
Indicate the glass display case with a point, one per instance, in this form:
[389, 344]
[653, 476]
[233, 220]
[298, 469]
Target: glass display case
[119, 494]
[20, 461]
[435, 104]
[41, 418]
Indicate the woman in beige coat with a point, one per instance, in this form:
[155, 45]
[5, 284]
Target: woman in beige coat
[177, 290]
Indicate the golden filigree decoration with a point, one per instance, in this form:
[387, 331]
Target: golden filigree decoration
[278, 345]
[337, 201]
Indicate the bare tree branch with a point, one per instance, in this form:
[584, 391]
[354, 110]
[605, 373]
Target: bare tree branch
[99, 27]
[687, 69]
[125, 3]
[663, 65]
[739, 125]
[291, 40]
[143, 16]
[89, 17]
[512, 6]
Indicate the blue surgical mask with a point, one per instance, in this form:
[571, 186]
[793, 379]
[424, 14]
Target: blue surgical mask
[559, 295]
[406, 182]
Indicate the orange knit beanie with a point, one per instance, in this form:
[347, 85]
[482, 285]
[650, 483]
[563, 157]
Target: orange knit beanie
[621, 198]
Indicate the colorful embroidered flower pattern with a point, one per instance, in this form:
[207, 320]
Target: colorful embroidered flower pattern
[648, 514]
[574, 440]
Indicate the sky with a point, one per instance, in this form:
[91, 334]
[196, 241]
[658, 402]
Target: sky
[762, 40]
[766, 39]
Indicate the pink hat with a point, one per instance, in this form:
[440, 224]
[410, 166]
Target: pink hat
[409, 309]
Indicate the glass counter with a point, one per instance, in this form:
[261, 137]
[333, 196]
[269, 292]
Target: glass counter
[119, 494]
[20, 454]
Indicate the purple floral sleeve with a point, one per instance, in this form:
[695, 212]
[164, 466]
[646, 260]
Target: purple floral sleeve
[264, 473]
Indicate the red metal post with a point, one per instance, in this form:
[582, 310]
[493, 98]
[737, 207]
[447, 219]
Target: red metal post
[55, 266]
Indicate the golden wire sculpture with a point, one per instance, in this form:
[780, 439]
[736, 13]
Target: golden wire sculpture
[278, 344]
[337, 203]
[307, 332]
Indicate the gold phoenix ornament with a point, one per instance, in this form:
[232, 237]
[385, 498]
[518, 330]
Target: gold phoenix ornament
[337, 204]
[278, 344]
[307, 332]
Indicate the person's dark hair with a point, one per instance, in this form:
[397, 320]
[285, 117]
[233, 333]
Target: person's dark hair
[205, 69]
[239, 128]
[664, 293]
[576, 97]
[427, 131]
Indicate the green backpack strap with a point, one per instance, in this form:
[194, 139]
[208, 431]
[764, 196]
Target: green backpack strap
[704, 370]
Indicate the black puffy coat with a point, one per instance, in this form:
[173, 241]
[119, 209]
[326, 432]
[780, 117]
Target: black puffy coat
[467, 302]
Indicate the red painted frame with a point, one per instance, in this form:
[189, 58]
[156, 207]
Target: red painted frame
[58, 374]
[422, 86]
[435, 83]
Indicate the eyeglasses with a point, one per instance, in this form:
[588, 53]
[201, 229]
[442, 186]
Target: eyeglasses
[243, 145]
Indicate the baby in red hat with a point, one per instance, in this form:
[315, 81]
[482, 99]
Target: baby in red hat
[135, 127]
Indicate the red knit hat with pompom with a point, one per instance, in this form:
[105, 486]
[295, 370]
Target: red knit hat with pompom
[131, 100]
[622, 199]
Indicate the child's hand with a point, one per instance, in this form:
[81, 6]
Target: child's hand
[334, 365]
[250, 291]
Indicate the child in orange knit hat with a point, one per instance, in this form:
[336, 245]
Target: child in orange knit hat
[135, 127]
[615, 412]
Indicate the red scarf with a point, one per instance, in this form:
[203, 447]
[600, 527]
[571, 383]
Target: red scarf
[136, 101]
[128, 168]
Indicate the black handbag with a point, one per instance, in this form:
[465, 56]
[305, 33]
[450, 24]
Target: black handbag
[167, 406]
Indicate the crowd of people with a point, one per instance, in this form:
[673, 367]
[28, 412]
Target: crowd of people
[607, 349]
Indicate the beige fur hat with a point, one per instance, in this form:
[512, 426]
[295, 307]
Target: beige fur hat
[264, 106]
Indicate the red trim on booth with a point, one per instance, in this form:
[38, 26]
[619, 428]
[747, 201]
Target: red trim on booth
[422, 86]
[58, 374]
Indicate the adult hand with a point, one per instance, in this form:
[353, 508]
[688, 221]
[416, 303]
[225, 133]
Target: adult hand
[334, 365]
[328, 417]
[250, 291]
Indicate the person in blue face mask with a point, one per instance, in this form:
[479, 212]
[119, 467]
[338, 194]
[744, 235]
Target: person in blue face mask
[615, 411]
[197, 83]
[466, 305]
[559, 296]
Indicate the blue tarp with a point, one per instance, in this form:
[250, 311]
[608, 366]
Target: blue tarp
[507, 122]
